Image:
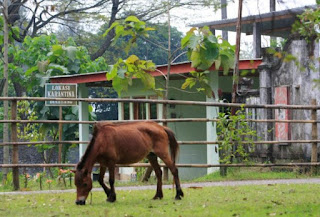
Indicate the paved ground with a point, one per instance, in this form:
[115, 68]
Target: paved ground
[186, 185]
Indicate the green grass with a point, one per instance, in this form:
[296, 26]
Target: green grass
[254, 174]
[233, 174]
[260, 200]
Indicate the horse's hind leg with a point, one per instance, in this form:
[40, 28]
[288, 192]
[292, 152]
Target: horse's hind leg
[167, 160]
[154, 163]
[112, 195]
[101, 181]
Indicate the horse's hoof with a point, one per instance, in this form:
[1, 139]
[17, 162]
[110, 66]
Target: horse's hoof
[179, 195]
[157, 198]
[177, 198]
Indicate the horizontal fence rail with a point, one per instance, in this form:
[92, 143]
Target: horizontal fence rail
[163, 165]
[156, 120]
[179, 142]
[170, 102]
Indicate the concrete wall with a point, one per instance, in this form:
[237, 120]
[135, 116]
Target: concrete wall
[302, 89]
[188, 131]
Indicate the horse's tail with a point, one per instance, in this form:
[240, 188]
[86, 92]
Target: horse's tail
[89, 148]
[174, 146]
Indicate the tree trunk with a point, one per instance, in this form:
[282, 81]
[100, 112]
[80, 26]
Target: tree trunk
[106, 44]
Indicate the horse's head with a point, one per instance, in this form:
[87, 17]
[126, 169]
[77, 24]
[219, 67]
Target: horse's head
[83, 182]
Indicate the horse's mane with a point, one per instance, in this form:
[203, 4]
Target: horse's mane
[89, 148]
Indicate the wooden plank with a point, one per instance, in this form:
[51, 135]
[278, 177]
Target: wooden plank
[15, 148]
[314, 135]
[171, 102]
[163, 165]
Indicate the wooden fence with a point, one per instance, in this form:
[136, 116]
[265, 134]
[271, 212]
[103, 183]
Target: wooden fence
[15, 143]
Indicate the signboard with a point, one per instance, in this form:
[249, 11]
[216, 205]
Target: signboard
[281, 98]
[61, 91]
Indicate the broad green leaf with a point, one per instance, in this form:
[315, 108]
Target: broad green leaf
[74, 68]
[194, 41]
[185, 40]
[204, 65]
[120, 85]
[90, 108]
[195, 59]
[31, 70]
[149, 29]
[61, 68]
[148, 80]
[57, 50]
[71, 52]
[113, 73]
[211, 52]
[132, 19]
[212, 39]
[43, 66]
[119, 30]
[191, 31]
[218, 63]
[132, 59]
[188, 83]
[121, 72]
[110, 28]
[206, 31]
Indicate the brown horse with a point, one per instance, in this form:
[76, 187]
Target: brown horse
[128, 143]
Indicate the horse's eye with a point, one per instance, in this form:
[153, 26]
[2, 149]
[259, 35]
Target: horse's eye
[85, 185]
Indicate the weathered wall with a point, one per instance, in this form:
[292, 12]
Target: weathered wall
[302, 89]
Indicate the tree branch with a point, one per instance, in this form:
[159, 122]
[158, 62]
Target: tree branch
[108, 39]
[154, 43]
[100, 3]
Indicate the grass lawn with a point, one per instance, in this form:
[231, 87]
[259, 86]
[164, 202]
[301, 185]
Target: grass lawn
[255, 174]
[233, 174]
[254, 200]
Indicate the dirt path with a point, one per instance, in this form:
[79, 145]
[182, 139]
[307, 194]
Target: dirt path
[185, 185]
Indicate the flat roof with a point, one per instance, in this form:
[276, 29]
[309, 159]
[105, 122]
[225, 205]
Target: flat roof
[177, 68]
[276, 23]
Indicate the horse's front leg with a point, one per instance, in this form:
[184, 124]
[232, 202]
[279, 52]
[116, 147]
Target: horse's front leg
[112, 195]
[101, 181]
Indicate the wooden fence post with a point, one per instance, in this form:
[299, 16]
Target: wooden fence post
[314, 134]
[15, 149]
[60, 136]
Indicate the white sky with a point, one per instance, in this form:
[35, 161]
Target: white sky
[182, 18]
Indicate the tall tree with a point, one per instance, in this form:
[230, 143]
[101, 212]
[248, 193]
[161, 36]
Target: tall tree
[42, 16]
[152, 48]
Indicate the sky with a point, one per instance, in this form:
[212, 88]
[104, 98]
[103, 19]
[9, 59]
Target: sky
[183, 18]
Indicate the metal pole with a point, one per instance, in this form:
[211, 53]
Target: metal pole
[165, 106]
[272, 5]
